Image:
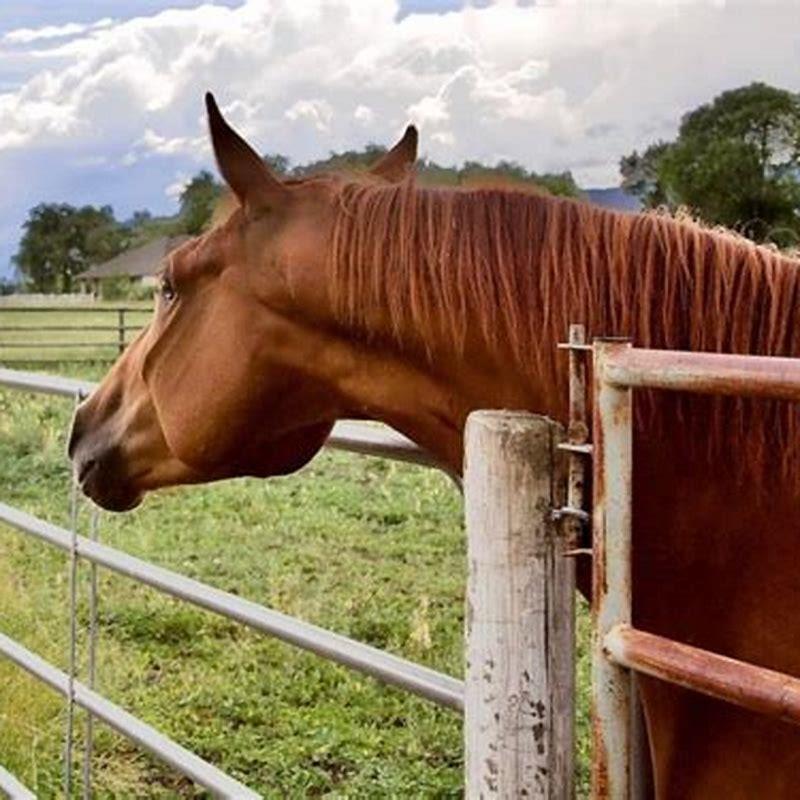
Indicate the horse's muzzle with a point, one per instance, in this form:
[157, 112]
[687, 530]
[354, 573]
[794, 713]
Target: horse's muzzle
[99, 468]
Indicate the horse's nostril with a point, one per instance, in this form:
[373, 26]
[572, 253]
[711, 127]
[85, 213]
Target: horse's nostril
[75, 435]
[85, 468]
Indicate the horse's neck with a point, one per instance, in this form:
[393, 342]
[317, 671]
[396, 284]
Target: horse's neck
[426, 390]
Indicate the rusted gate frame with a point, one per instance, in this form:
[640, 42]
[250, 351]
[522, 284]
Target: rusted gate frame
[619, 650]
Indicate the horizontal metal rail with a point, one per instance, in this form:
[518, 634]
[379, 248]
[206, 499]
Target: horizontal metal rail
[762, 690]
[39, 328]
[441, 689]
[45, 384]
[705, 373]
[171, 752]
[357, 437]
[12, 788]
[77, 309]
[374, 439]
[27, 361]
[60, 345]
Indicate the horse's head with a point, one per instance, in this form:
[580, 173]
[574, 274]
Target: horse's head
[222, 382]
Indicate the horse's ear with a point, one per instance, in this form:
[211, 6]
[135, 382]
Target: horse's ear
[244, 171]
[395, 165]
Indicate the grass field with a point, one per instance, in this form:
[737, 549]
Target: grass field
[366, 547]
[21, 326]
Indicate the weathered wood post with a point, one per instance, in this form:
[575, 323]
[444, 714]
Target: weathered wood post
[519, 702]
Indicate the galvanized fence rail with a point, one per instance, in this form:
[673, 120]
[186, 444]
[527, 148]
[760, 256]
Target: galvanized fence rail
[351, 436]
[355, 437]
[12, 788]
[427, 683]
[619, 650]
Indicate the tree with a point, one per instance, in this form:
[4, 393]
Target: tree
[736, 162]
[346, 161]
[59, 241]
[279, 164]
[511, 173]
[640, 175]
[197, 202]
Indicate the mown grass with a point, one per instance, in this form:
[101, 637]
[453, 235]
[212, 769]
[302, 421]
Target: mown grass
[369, 548]
[23, 326]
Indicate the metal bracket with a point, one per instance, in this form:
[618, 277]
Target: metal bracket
[575, 346]
[584, 449]
[566, 511]
[577, 552]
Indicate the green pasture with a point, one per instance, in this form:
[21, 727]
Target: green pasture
[98, 342]
[370, 548]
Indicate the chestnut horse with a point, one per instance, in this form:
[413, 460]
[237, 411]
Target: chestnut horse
[371, 297]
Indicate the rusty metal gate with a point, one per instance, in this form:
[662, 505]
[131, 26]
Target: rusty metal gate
[619, 649]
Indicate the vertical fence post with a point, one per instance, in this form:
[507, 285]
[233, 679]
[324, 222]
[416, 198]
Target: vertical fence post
[121, 329]
[520, 650]
[611, 578]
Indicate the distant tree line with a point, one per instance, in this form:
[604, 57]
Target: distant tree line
[735, 162]
[60, 241]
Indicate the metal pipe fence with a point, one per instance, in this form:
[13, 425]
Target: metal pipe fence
[12, 788]
[134, 729]
[427, 683]
[351, 436]
[619, 650]
[355, 437]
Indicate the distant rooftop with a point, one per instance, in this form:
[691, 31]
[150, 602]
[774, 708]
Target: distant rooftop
[138, 262]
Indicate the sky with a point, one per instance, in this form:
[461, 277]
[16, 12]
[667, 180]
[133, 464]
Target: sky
[102, 102]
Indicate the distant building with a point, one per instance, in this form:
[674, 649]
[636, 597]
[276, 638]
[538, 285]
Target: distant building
[139, 264]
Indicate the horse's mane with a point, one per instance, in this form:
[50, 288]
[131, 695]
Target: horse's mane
[523, 266]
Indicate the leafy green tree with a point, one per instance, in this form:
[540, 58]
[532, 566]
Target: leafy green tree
[197, 202]
[736, 162]
[429, 172]
[59, 241]
[558, 183]
[509, 172]
[346, 161]
[641, 176]
[279, 164]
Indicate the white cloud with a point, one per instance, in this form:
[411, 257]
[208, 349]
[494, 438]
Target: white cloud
[364, 114]
[554, 86]
[318, 113]
[446, 138]
[153, 143]
[28, 35]
[175, 189]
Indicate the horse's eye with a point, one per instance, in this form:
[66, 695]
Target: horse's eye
[167, 289]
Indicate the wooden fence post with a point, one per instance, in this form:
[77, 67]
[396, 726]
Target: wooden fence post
[121, 327]
[519, 702]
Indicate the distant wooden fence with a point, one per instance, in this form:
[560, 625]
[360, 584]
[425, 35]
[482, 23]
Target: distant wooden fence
[59, 343]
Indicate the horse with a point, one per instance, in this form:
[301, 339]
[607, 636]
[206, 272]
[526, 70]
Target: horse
[371, 296]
